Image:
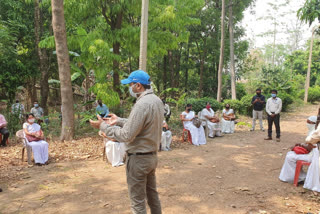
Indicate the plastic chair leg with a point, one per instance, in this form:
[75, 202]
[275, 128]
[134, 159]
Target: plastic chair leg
[298, 170]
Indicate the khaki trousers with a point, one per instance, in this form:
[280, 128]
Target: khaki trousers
[141, 181]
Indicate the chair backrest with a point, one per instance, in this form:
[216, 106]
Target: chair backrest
[202, 119]
[20, 134]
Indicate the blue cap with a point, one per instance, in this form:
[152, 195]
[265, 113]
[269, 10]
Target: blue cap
[138, 76]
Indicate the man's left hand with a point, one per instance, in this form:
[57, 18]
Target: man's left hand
[96, 124]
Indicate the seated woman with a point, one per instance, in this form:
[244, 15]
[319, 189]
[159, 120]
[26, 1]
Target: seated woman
[166, 137]
[197, 134]
[115, 151]
[310, 154]
[212, 121]
[34, 136]
[228, 118]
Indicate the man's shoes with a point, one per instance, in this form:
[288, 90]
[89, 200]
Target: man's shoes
[210, 137]
[278, 140]
[268, 138]
[3, 145]
[252, 129]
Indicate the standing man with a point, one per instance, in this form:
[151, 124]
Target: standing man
[102, 109]
[258, 102]
[273, 108]
[37, 111]
[3, 130]
[142, 132]
[18, 109]
[167, 111]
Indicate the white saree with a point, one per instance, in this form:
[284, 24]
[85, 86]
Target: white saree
[197, 134]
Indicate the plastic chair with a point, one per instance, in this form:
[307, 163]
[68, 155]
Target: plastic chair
[300, 163]
[21, 136]
[1, 139]
[185, 130]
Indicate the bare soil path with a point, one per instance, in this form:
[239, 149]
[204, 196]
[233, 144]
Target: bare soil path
[234, 174]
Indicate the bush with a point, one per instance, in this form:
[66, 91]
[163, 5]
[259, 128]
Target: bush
[247, 107]
[240, 90]
[313, 94]
[287, 99]
[236, 105]
[199, 104]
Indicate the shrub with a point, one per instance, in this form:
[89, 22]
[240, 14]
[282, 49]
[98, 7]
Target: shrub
[236, 105]
[199, 104]
[247, 107]
[313, 94]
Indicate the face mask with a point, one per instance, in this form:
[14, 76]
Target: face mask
[273, 95]
[188, 109]
[135, 95]
[227, 107]
[311, 128]
[208, 106]
[258, 94]
[36, 105]
[31, 120]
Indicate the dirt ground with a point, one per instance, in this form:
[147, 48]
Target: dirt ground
[237, 173]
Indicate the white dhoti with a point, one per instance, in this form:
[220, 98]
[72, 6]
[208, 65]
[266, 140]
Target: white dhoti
[115, 153]
[312, 181]
[166, 140]
[214, 129]
[227, 126]
[289, 166]
[40, 151]
[197, 134]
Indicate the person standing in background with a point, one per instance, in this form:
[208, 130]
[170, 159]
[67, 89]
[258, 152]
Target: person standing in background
[167, 111]
[102, 109]
[37, 111]
[258, 102]
[273, 109]
[17, 109]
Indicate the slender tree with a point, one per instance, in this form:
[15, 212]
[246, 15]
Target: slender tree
[232, 66]
[60, 36]
[219, 92]
[144, 35]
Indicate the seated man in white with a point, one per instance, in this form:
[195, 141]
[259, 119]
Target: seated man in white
[228, 118]
[197, 134]
[311, 151]
[115, 151]
[212, 121]
[166, 137]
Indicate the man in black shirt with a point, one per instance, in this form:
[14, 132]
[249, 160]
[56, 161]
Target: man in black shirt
[258, 102]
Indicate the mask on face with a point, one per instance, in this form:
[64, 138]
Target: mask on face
[311, 128]
[31, 120]
[188, 109]
[227, 107]
[36, 105]
[208, 107]
[258, 93]
[273, 95]
[135, 95]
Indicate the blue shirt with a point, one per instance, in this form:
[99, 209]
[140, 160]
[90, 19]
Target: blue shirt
[102, 110]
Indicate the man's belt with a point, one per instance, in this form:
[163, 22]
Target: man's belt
[142, 153]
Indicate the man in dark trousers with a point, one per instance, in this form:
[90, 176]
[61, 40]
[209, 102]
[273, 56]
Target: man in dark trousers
[273, 109]
[142, 132]
[258, 102]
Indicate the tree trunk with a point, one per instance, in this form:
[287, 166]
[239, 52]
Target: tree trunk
[219, 91]
[202, 60]
[144, 35]
[42, 56]
[116, 79]
[60, 36]
[232, 66]
[170, 57]
[164, 72]
[187, 71]
[306, 88]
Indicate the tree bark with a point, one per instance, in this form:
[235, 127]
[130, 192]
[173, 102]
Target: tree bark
[60, 36]
[170, 57]
[187, 71]
[219, 91]
[144, 35]
[306, 88]
[164, 72]
[42, 56]
[232, 66]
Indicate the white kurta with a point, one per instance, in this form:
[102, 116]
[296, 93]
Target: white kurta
[197, 134]
[227, 126]
[39, 148]
[166, 140]
[312, 181]
[115, 152]
[213, 128]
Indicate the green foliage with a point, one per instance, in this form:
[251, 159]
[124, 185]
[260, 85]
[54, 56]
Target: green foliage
[286, 98]
[247, 107]
[199, 104]
[236, 105]
[106, 94]
[310, 11]
[313, 94]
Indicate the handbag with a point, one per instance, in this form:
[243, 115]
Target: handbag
[32, 138]
[300, 150]
[196, 122]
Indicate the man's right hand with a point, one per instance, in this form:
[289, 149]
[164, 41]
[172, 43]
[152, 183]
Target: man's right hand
[111, 120]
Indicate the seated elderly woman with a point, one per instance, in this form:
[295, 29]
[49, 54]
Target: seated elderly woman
[115, 151]
[197, 133]
[305, 152]
[212, 121]
[228, 118]
[166, 137]
[34, 136]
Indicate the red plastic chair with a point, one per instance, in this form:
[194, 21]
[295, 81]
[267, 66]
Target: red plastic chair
[185, 130]
[1, 139]
[300, 163]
